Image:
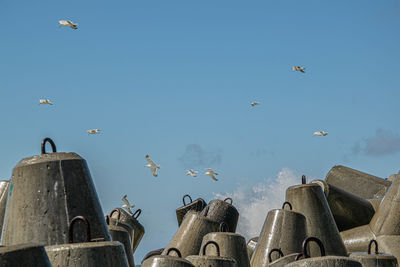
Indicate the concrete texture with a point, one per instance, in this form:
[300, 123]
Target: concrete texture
[24, 255]
[310, 200]
[327, 261]
[45, 192]
[251, 246]
[222, 211]
[197, 205]
[358, 183]
[282, 229]
[99, 254]
[281, 262]
[357, 239]
[231, 245]
[375, 202]
[122, 218]
[211, 261]
[190, 234]
[167, 260]
[390, 244]
[374, 260]
[119, 233]
[348, 210]
[4, 186]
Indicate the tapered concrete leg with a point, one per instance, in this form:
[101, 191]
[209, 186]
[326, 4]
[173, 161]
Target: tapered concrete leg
[348, 210]
[281, 262]
[310, 200]
[357, 239]
[328, 261]
[251, 246]
[167, 260]
[120, 234]
[390, 244]
[373, 258]
[4, 185]
[358, 183]
[375, 202]
[24, 255]
[222, 211]
[283, 229]
[197, 205]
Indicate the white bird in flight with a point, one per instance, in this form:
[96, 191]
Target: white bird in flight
[298, 68]
[94, 131]
[320, 133]
[45, 101]
[127, 206]
[152, 166]
[68, 23]
[192, 173]
[211, 173]
[255, 103]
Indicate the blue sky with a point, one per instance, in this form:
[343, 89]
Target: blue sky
[161, 76]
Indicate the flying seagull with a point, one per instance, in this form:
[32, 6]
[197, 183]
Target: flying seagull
[94, 131]
[255, 103]
[45, 101]
[127, 206]
[192, 173]
[298, 68]
[211, 173]
[152, 166]
[68, 23]
[320, 133]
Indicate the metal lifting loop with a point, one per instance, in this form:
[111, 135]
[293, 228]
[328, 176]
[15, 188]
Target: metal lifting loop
[298, 256]
[275, 250]
[176, 250]
[137, 213]
[215, 244]
[185, 196]
[115, 210]
[286, 203]
[373, 241]
[223, 227]
[303, 179]
[308, 240]
[43, 146]
[71, 228]
[228, 198]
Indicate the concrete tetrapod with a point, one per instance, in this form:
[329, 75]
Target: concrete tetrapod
[218, 260]
[283, 260]
[322, 261]
[310, 200]
[222, 211]
[45, 191]
[152, 253]
[358, 183]
[375, 202]
[384, 222]
[24, 255]
[167, 260]
[119, 233]
[4, 185]
[190, 234]
[88, 254]
[120, 217]
[197, 205]
[390, 244]
[251, 246]
[376, 259]
[283, 229]
[348, 210]
[231, 245]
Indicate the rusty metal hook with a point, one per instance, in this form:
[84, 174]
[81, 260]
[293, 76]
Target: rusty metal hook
[43, 146]
[223, 227]
[287, 203]
[139, 211]
[116, 210]
[215, 244]
[373, 241]
[176, 250]
[275, 250]
[71, 228]
[298, 256]
[305, 243]
[183, 199]
[228, 198]
[303, 179]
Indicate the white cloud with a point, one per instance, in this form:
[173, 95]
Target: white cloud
[254, 202]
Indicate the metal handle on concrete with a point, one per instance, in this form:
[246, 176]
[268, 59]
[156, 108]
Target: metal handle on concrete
[176, 250]
[373, 241]
[286, 203]
[53, 146]
[215, 244]
[298, 256]
[138, 212]
[115, 210]
[308, 240]
[71, 228]
[303, 179]
[184, 203]
[275, 250]
[228, 198]
[223, 227]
